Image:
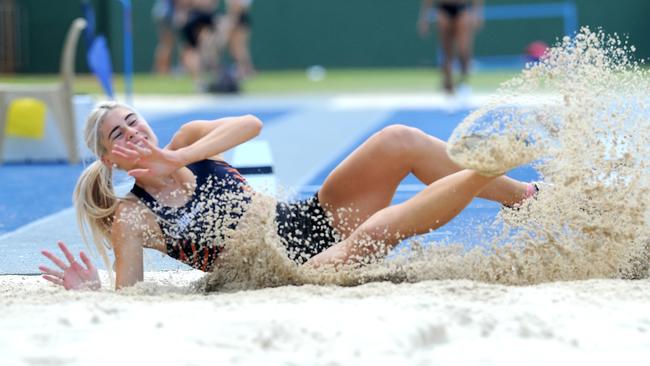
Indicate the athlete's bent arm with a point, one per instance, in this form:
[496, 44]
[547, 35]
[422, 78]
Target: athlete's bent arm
[195, 141]
[198, 140]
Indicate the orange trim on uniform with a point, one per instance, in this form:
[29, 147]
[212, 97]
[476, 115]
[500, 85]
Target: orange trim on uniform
[236, 174]
[206, 256]
[193, 252]
[182, 255]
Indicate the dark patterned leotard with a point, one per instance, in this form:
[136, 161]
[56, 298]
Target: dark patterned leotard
[195, 232]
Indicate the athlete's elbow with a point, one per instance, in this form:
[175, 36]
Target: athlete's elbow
[183, 137]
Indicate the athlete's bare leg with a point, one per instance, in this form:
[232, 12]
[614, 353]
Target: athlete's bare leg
[366, 181]
[431, 208]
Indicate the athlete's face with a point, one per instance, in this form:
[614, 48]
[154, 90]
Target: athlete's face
[122, 125]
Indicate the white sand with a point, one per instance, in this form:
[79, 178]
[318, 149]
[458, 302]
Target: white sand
[432, 322]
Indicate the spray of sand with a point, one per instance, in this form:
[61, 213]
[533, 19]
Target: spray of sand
[582, 112]
[589, 220]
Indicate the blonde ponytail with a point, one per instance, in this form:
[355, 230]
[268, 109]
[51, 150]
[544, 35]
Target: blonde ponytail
[95, 203]
[94, 198]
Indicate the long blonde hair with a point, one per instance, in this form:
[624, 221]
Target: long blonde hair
[94, 198]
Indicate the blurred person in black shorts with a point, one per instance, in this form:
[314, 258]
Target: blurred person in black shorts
[196, 22]
[456, 20]
[163, 15]
[238, 15]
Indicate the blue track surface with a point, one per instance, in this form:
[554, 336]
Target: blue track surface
[31, 191]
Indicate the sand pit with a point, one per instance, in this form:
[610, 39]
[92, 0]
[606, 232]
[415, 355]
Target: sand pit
[431, 322]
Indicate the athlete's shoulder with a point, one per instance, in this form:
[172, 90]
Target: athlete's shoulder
[133, 215]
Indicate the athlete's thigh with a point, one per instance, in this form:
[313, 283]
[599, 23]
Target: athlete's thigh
[365, 181]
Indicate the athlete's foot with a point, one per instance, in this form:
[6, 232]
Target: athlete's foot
[531, 192]
[520, 212]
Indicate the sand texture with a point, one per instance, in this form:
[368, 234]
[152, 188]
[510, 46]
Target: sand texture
[448, 322]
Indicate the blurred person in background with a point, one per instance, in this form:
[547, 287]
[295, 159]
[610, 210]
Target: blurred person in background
[197, 25]
[207, 34]
[456, 20]
[239, 22]
[230, 44]
[163, 17]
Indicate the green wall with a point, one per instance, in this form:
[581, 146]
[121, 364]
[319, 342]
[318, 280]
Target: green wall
[44, 23]
[41, 31]
[335, 33]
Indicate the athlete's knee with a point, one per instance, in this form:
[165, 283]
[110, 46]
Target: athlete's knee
[402, 141]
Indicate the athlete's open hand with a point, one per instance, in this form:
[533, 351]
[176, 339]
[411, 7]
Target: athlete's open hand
[153, 160]
[74, 276]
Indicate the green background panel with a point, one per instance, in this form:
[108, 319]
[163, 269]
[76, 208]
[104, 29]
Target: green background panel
[291, 34]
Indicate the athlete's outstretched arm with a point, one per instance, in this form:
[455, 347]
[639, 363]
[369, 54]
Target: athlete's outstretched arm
[129, 232]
